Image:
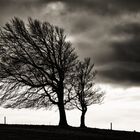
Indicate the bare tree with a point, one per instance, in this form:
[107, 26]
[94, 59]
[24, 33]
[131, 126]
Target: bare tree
[36, 62]
[84, 88]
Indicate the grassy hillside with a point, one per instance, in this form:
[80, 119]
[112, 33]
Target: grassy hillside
[31, 132]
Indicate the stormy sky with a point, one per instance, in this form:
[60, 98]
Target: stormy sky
[108, 31]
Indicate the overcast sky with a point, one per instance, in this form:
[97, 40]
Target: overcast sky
[108, 31]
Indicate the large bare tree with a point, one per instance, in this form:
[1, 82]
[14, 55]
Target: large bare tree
[36, 63]
[86, 93]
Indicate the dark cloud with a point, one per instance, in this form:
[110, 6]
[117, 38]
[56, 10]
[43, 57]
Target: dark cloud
[96, 6]
[103, 7]
[92, 24]
[81, 25]
[22, 3]
[128, 29]
[21, 8]
[127, 4]
[126, 56]
[122, 75]
[128, 50]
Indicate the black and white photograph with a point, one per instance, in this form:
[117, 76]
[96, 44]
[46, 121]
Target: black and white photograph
[69, 69]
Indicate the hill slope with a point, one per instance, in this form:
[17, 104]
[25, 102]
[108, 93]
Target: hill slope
[35, 132]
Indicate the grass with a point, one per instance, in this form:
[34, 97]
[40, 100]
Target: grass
[36, 132]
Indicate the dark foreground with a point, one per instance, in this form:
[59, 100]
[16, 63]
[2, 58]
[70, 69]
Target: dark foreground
[31, 132]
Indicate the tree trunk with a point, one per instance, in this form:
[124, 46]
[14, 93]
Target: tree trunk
[83, 119]
[62, 114]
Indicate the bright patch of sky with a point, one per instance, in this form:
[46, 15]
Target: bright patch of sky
[120, 106]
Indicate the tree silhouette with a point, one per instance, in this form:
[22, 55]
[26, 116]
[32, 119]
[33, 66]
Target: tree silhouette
[36, 63]
[84, 88]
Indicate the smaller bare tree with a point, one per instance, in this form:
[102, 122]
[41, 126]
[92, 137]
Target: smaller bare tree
[85, 91]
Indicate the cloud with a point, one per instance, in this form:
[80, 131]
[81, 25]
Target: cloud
[21, 8]
[103, 7]
[122, 74]
[126, 59]
[107, 31]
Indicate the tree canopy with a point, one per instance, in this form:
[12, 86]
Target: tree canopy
[40, 68]
[86, 93]
[36, 62]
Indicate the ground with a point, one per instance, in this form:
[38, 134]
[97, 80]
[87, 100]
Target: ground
[35, 132]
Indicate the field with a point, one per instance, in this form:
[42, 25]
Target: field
[35, 132]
